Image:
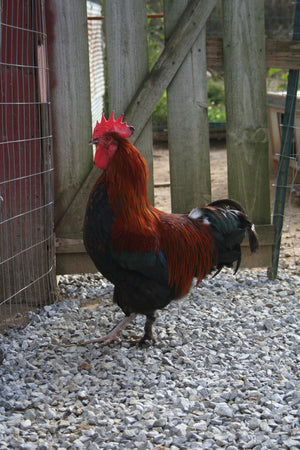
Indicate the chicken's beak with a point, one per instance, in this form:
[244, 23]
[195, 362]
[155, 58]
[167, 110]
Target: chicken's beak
[94, 142]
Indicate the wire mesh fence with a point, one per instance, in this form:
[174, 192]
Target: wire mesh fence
[27, 275]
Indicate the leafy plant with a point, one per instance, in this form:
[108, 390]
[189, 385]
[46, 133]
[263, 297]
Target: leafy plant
[216, 113]
[216, 99]
[277, 80]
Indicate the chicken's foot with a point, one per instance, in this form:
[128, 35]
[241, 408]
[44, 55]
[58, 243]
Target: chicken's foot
[113, 335]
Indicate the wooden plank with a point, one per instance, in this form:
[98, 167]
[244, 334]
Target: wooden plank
[66, 245]
[75, 263]
[214, 52]
[263, 256]
[281, 54]
[70, 99]
[246, 107]
[127, 64]
[188, 121]
[277, 101]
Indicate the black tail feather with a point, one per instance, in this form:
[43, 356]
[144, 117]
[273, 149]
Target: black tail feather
[227, 203]
[229, 249]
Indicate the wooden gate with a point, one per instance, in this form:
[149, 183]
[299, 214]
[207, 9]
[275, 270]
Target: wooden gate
[181, 69]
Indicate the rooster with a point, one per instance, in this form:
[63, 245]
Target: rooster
[151, 256]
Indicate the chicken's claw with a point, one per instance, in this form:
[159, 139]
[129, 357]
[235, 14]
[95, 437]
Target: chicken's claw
[104, 340]
[113, 335]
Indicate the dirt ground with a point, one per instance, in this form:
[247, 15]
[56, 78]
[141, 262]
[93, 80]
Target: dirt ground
[290, 242]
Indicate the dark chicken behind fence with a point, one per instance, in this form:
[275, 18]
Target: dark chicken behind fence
[150, 256]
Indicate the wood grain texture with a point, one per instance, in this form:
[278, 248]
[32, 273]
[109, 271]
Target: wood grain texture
[70, 98]
[188, 121]
[246, 107]
[127, 64]
[282, 54]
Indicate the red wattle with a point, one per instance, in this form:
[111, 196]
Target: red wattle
[101, 159]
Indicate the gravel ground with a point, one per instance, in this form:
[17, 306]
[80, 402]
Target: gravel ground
[224, 372]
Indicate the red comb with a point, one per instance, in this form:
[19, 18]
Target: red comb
[112, 126]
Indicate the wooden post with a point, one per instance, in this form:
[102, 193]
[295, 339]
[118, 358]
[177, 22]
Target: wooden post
[71, 105]
[188, 121]
[246, 118]
[246, 106]
[127, 64]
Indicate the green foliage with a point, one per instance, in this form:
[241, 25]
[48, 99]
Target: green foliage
[155, 43]
[216, 99]
[216, 112]
[215, 90]
[277, 80]
[274, 71]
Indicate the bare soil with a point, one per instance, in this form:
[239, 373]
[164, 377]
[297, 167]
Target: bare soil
[290, 242]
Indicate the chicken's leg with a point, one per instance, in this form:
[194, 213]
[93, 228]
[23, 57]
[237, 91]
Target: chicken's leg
[148, 335]
[113, 335]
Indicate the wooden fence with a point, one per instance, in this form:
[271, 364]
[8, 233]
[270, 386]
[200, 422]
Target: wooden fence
[181, 69]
